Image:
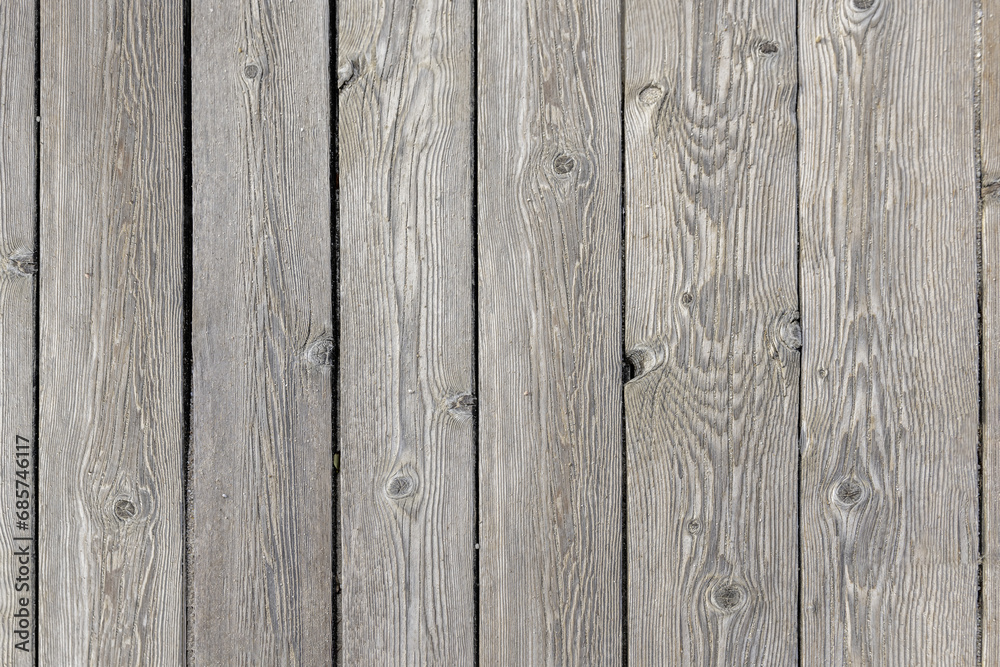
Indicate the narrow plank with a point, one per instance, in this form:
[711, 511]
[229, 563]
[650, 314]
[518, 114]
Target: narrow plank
[407, 473]
[889, 503]
[111, 315]
[550, 332]
[712, 333]
[18, 160]
[260, 506]
[989, 146]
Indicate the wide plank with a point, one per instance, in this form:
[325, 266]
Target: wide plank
[989, 146]
[711, 332]
[406, 387]
[550, 353]
[18, 269]
[260, 502]
[111, 315]
[890, 414]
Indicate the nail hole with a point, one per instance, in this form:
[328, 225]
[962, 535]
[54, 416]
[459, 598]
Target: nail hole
[124, 509]
[563, 164]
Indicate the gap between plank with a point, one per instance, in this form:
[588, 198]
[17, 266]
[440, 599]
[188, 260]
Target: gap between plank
[798, 299]
[187, 355]
[977, 148]
[334, 175]
[624, 296]
[36, 426]
[474, 150]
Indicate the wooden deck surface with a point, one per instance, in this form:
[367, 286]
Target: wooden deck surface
[521, 332]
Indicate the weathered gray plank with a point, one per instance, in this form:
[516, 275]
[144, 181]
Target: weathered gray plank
[17, 331]
[111, 312]
[407, 449]
[989, 139]
[889, 504]
[261, 444]
[712, 332]
[550, 332]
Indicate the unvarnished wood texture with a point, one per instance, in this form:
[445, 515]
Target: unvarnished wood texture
[111, 320]
[711, 332]
[989, 137]
[550, 332]
[889, 507]
[407, 450]
[260, 568]
[17, 330]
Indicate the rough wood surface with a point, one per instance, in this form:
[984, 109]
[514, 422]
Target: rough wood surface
[260, 564]
[550, 332]
[111, 320]
[711, 332]
[889, 503]
[17, 331]
[989, 138]
[406, 384]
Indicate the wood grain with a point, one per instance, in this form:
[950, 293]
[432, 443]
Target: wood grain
[989, 145]
[18, 269]
[111, 311]
[261, 449]
[550, 332]
[712, 332]
[407, 473]
[889, 388]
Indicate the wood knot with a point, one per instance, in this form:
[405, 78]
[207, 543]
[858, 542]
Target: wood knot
[461, 406]
[346, 73]
[849, 493]
[400, 486]
[22, 264]
[563, 164]
[321, 352]
[251, 71]
[767, 47]
[124, 509]
[822, 373]
[687, 298]
[790, 331]
[990, 190]
[728, 597]
[640, 360]
[863, 5]
[694, 527]
[651, 94]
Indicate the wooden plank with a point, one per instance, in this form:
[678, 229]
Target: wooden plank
[889, 503]
[261, 449]
[989, 138]
[550, 332]
[407, 472]
[111, 317]
[18, 162]
[712, 332]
